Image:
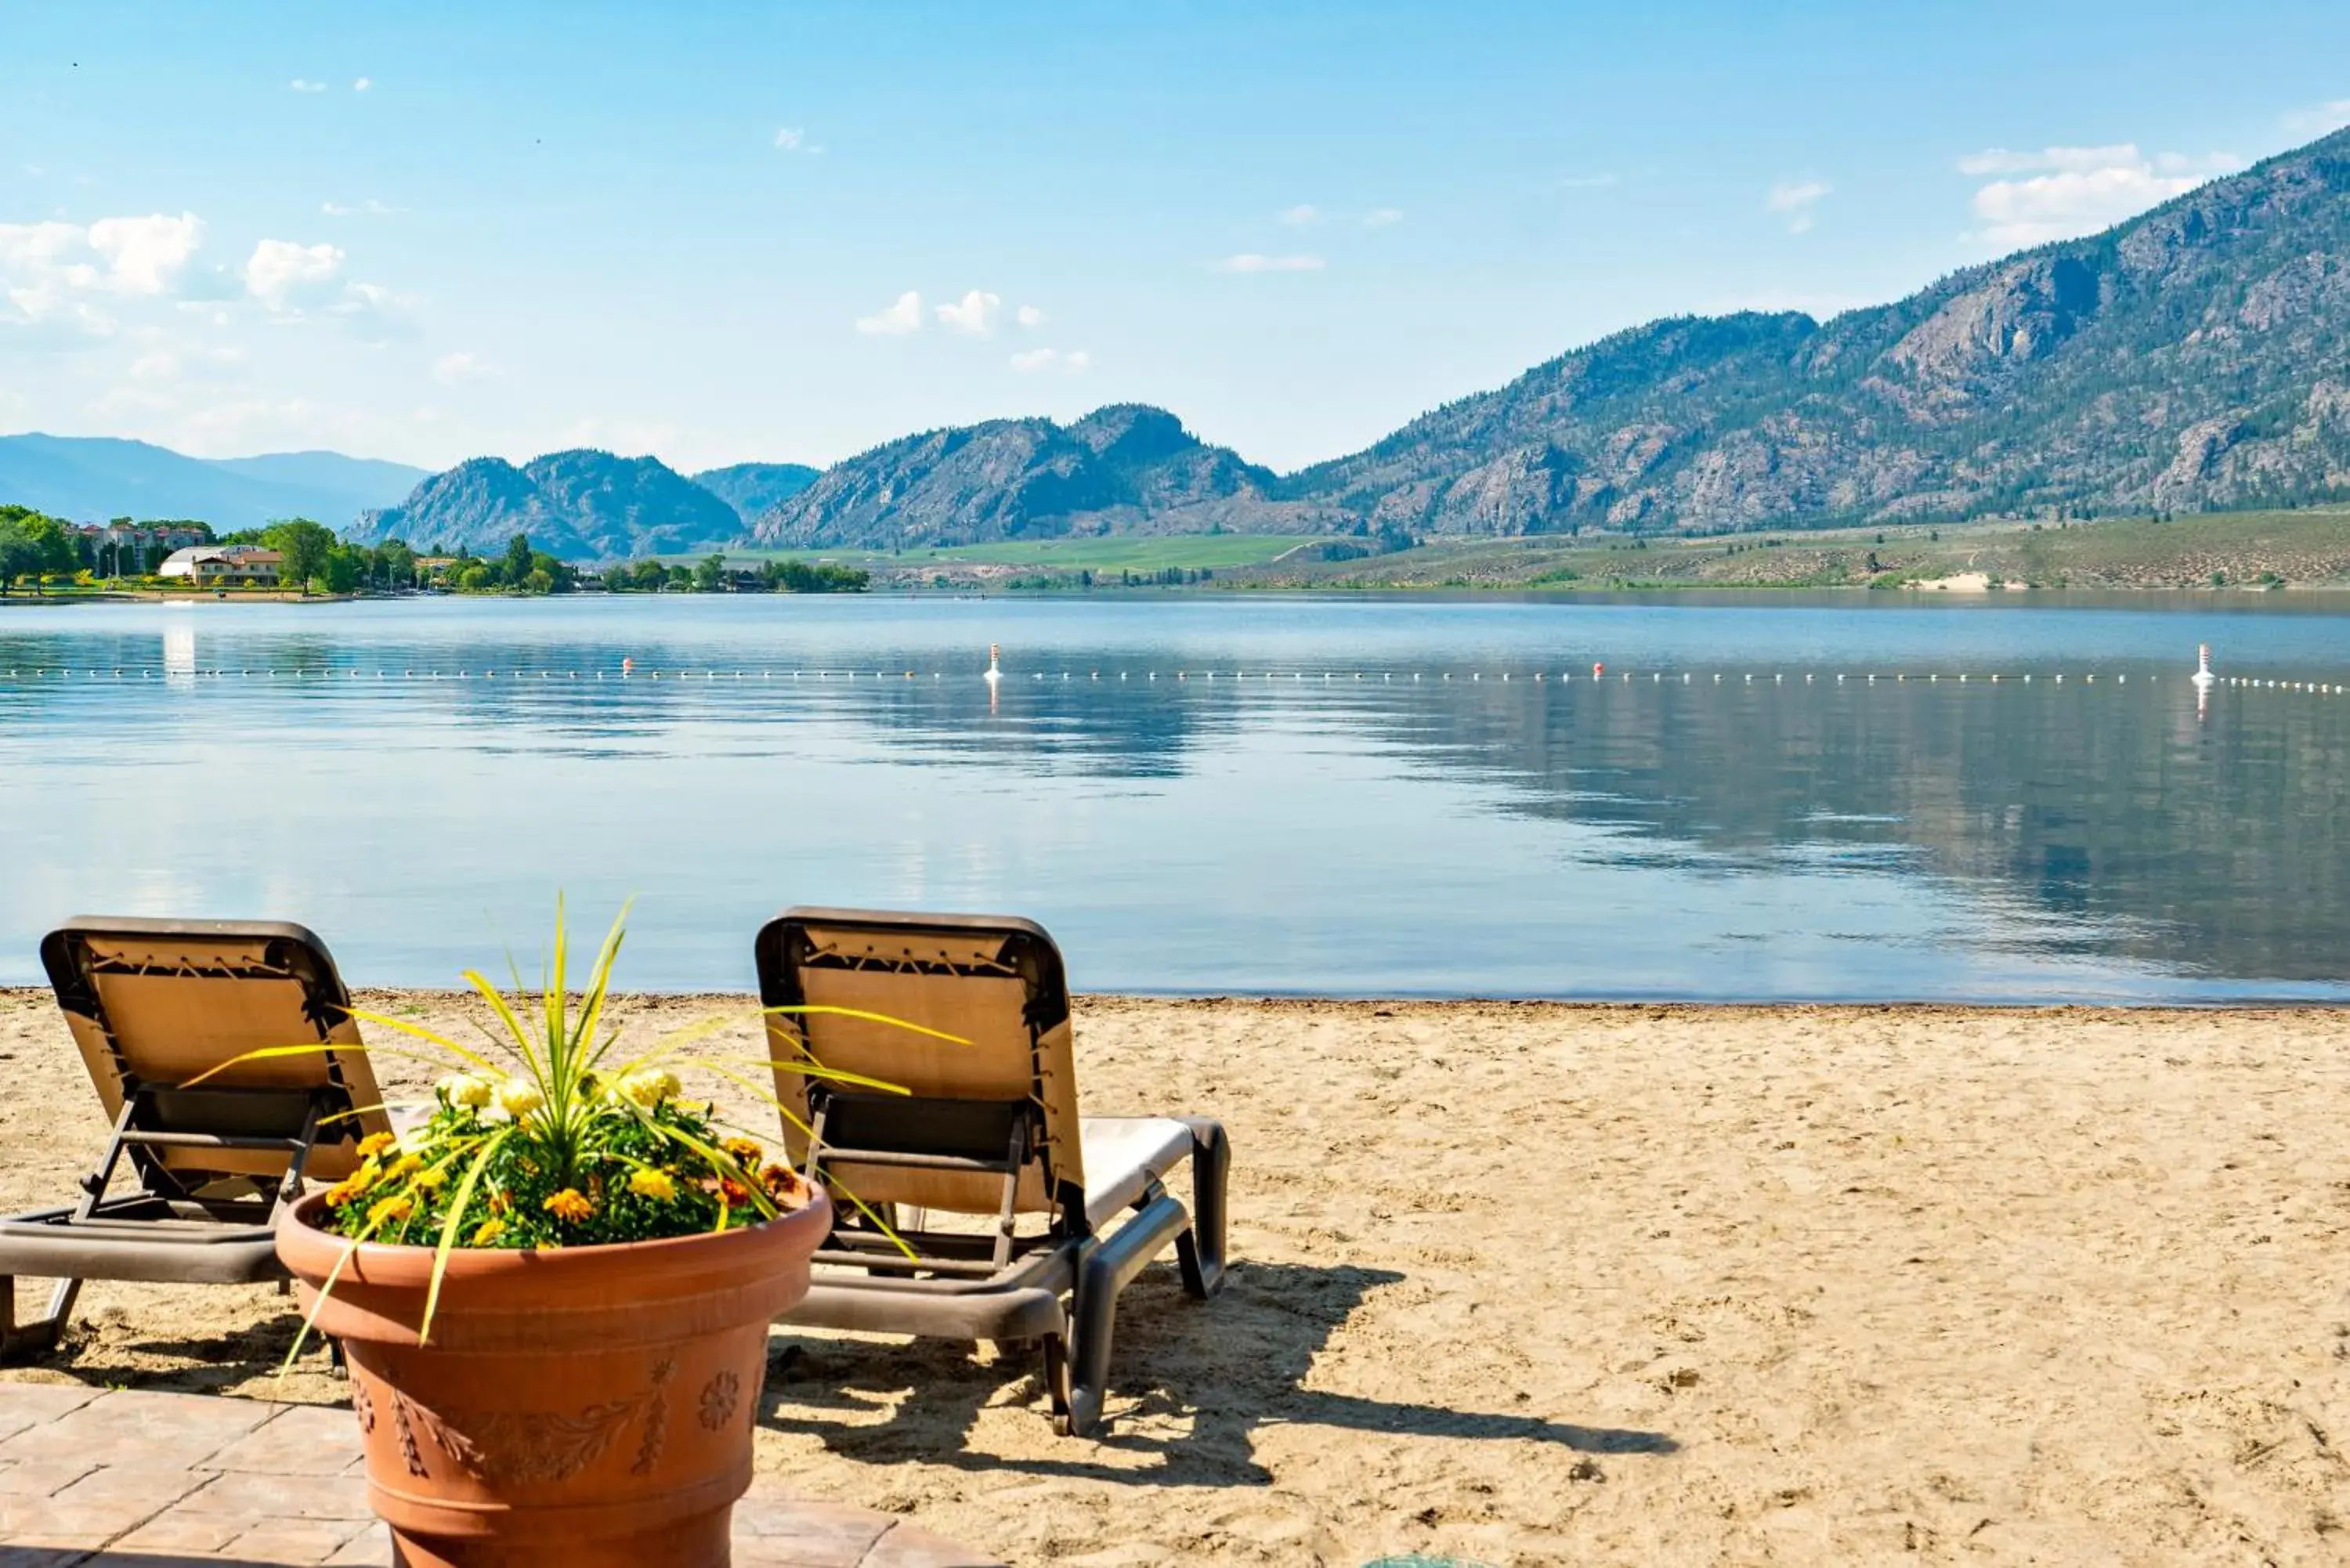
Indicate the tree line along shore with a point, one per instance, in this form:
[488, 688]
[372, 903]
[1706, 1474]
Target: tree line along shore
[43, 556]
[2292, 549]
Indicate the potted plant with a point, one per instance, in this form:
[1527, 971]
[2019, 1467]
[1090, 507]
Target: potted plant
[555, 1293]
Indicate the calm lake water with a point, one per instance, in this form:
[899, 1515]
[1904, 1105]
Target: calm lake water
[1207, 794]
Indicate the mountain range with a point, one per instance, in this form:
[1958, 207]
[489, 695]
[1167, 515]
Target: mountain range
[581, 505]
[92, 478]
[2194, 357]
[2197, 356]
[1127, 468]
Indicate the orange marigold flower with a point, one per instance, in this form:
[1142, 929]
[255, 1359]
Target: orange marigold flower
[570, 1206]
[343, 1192]
[375, 1144]
[744, 1150]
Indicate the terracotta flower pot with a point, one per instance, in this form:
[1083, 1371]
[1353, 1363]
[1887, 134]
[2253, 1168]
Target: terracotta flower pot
[583, 1406]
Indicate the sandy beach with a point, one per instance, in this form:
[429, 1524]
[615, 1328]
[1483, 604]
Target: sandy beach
[1534, 1284]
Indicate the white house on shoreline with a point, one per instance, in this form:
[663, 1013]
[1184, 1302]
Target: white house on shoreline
[225, 565]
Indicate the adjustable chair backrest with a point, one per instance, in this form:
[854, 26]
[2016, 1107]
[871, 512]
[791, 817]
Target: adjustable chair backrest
[153, 1004]
[1009, 1096]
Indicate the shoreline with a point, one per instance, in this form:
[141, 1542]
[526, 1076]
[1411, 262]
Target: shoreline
[1544, 1282]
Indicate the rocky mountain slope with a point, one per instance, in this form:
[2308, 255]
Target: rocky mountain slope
[2196, 357]
[753, 487]
[582, 504]
[1126, 468]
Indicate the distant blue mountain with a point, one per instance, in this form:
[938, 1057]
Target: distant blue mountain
[753, 487]
[91, 478]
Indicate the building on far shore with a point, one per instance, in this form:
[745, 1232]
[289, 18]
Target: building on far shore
[225, 565]
[123, 549]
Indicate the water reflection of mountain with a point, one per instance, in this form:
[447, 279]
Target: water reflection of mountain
[2197, 847]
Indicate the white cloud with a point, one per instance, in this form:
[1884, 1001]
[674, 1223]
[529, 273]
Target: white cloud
[2070, 190]
[1796, 199]
[2319, 120]
[298, 85]
[286, 276]
[146, 255]
[904, 316]
[370, 208]
[1304, 212]
[51, 273]
[1251, 262]
[1382, 217]
[973, 314]
[1029, 316]
[362, 84]
[460, 369]
[794, 138]
[1076, 362]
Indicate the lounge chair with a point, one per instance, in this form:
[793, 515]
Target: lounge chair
[153, 1004]
[989, 1129]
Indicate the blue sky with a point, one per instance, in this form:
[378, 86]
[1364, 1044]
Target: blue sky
[720, 234]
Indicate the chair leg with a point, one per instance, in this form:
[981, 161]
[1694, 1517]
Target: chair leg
[26, 1340]
[1056, 1381]
[1104, 1272]
[1091, 1327]
[1200, 1250]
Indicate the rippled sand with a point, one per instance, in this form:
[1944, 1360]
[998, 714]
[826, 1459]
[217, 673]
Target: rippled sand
[1530, 1285]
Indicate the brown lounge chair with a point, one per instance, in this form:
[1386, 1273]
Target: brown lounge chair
[153, 1004]
[988, 1129]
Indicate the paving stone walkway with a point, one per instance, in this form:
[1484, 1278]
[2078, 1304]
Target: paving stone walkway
[127, 1480]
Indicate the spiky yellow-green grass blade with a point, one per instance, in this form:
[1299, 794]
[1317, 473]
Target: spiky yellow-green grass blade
[458, 1200]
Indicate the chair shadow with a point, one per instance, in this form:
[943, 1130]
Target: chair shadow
[1227, 1367]
[206, 1364]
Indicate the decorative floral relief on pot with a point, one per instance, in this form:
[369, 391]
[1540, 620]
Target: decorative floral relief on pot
[509, 1447]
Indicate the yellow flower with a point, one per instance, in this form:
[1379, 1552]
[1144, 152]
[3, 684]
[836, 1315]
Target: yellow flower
[487, 1232]
[434, 1179]
[656, 1185]
[519, 1097]
[375, 1144]
[406, 1166]
[650, 1086]
[388, 1209]
[570, 1206]
[744, 1150]
[465, 1089]
[343, 1192]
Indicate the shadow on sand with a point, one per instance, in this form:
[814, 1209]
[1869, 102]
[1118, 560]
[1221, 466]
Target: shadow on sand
[1228, 1368]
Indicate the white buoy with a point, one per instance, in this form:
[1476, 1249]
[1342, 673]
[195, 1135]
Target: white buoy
[2203, 678]
[995, 665]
